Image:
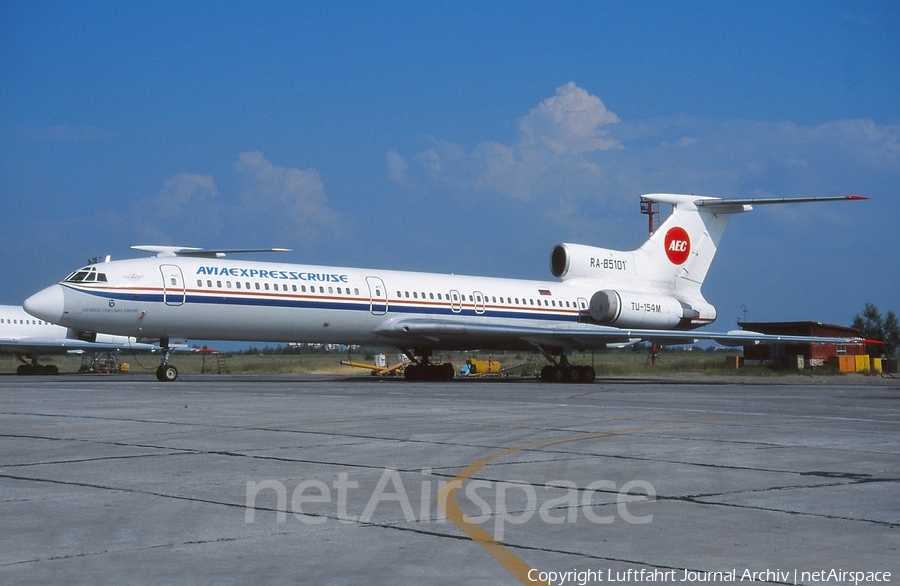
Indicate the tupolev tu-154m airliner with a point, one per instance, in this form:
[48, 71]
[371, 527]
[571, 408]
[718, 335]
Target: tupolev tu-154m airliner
[600, 297]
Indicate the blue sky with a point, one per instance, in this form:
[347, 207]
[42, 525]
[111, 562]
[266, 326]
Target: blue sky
[456, 137]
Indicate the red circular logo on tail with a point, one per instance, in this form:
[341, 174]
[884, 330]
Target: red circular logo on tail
[678, 245]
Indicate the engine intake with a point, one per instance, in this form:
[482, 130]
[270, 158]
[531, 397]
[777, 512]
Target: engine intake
[573, 261]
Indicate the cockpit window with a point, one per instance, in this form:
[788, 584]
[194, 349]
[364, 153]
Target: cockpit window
[86, 275]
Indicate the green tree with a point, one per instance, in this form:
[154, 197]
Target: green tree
[874, 327]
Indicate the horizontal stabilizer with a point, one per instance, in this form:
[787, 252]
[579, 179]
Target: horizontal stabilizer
[733, 206]
[712, 203]
[171, 251]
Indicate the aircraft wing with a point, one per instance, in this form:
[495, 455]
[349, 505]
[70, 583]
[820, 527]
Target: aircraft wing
[454, 334]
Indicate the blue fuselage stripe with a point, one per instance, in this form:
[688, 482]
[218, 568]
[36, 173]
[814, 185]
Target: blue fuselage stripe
[360, 305]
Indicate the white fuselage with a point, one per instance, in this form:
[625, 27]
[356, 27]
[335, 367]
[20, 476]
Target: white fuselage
[17, 324]
[226, 299]
[22, 333]
[603, 296]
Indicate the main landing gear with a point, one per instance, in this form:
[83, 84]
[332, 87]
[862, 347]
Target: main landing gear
[166, 372]
[563, 372]
[34, 367]
[423, 370]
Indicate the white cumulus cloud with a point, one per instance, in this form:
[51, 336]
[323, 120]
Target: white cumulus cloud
[570, 122]
[553, 146]
[291, 201]
[186, 204]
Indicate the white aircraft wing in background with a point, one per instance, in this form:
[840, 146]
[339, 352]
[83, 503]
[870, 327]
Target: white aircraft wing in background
[28, 338]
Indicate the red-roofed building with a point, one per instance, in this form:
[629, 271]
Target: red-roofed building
[814, 354]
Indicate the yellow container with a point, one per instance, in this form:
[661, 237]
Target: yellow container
[733, 361]
[483, 366]
[843, 363]
[863, 363]
[876, 365]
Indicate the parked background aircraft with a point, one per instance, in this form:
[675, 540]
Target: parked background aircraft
[601, 297]
[29, 338]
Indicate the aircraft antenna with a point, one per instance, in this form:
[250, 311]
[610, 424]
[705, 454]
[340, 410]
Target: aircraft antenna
[651, 209]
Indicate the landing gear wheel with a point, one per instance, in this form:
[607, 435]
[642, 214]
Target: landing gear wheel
[557, 374]
[422, 369]
[566, 373]
[588, 374]
[166, 373]
[37, 369]
[412, 372]
[448, 373]
[553, 373]
[430, 372]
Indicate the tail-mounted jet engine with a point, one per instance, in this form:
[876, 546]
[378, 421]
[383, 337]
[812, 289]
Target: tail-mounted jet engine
[655, 308]
[625, 309]
[573, 261]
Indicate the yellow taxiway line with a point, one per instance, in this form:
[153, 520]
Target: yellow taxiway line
[447, 500]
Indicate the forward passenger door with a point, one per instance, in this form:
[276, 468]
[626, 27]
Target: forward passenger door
[173, 284]
[378, 301]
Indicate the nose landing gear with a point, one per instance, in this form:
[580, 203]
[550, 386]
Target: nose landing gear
[166, 372]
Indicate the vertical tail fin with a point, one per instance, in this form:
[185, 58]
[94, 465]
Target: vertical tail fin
[669, 268]
[677, 256]
[684, 246]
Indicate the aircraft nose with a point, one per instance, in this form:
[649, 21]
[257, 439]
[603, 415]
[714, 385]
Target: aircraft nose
[47, 304]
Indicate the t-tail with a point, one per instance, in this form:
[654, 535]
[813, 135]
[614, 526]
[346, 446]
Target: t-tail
[668, 270]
